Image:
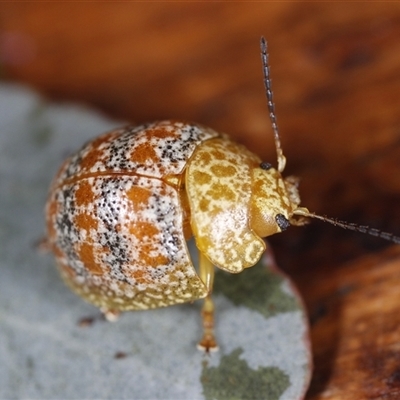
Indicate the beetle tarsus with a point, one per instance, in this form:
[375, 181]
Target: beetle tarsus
[110, 315]
[208, 343]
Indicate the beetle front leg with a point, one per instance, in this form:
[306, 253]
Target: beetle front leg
[207, 342]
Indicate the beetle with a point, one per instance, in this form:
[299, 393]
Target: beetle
[120, 211]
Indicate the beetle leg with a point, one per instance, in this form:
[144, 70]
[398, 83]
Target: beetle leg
[43, 245]
[110, 315]
[207, 342]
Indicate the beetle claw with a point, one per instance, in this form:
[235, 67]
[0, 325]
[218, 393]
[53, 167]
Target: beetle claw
[208, 344]
[110, 315]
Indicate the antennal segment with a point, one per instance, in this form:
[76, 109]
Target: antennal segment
[271, 105]
[349, 225]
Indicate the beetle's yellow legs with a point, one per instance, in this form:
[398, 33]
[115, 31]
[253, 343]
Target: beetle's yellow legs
[206, 270]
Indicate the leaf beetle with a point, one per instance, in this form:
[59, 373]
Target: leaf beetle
[120, 211]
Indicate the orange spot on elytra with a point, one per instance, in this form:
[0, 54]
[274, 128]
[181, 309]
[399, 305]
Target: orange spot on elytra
[91, 159]
[148, 259]
[86, 255]
[144, 153]
[150, 248]
[96, 154]
[140, 276]
[85, 222]
[161, 133]
[139, 197]
[144, 229]
[84, 195]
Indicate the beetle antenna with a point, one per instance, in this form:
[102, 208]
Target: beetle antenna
[349, 225]
[271, 105]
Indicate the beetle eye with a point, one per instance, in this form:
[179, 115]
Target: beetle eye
[282, 222]
[265, 165]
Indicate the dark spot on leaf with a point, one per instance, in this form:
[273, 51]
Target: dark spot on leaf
[234, 379]
[256, 288]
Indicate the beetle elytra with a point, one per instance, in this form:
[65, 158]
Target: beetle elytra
[121, 209]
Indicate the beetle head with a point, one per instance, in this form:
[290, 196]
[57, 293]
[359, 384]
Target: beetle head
[275, 201]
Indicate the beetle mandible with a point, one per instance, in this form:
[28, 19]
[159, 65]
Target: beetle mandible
[121, 209]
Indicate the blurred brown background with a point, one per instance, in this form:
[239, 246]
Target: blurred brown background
[336, 80]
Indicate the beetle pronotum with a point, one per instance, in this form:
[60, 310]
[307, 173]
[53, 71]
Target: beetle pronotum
[121, 209]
